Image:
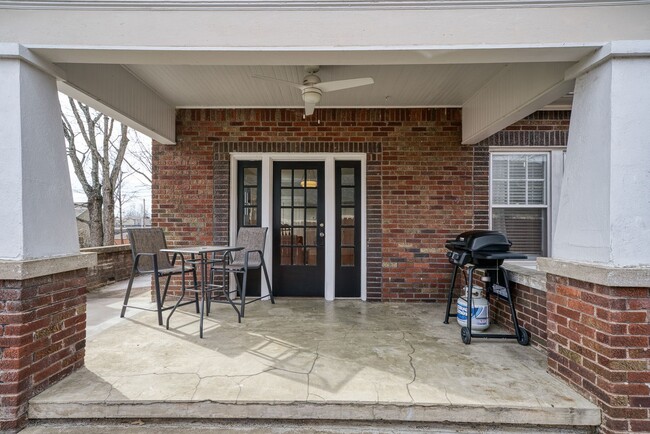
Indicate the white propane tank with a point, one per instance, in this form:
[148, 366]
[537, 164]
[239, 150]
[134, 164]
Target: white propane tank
[480, 310]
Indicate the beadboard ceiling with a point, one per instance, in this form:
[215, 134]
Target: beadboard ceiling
[235, 86]
[395, 85]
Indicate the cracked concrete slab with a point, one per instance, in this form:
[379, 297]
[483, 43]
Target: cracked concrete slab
[309, 359]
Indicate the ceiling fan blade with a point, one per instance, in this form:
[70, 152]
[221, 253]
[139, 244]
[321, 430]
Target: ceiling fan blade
[309, 108]
[277, 80]
[331, 86]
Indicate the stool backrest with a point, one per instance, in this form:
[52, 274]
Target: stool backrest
[250, 239]
[149, 240]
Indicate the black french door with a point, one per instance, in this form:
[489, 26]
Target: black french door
[298, 229]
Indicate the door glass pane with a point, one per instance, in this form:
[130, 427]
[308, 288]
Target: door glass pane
[285, 177]
[298, 256]
[298, 236]
[347, 256]
[298, 217]
[299, 197]
[310, 233]
[347, 176]
[250, 196]
[250, 176]
[310, 256]
[347, 196]
[285, 217]
[311, 179]
[347, 236]
[312, 197]
[299, 178]
[250, 216]
[285, 199]
[310, 218]
[285, 236]
[347, 216]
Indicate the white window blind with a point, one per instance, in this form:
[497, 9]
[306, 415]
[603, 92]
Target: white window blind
[519, 200]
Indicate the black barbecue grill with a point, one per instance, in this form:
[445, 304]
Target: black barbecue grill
[483, 250]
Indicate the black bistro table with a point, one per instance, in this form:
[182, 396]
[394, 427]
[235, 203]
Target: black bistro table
[202, 257]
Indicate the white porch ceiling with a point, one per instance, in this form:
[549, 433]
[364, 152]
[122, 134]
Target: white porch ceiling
[395, 85]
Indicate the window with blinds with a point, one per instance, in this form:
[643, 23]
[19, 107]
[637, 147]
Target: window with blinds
[519, 200]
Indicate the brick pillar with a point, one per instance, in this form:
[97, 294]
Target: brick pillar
[599, 342]
[42, 338]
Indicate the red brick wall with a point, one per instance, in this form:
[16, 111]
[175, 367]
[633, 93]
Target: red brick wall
[114, 263]
[530, 304]
[42, 338]
[420, 182]
[599, 341]
[423, 185]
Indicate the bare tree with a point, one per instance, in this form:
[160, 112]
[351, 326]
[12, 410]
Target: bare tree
[139, 158]
[96, 165]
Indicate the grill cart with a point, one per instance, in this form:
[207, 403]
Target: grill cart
[483, 250]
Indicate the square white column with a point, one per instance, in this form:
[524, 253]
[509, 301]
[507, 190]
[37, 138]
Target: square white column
[37, 211]
[604, 214]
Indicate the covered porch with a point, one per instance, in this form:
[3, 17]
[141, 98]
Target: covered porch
[450, 77]
[378, 365]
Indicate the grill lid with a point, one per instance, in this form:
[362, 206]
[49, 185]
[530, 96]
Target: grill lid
[480, 240]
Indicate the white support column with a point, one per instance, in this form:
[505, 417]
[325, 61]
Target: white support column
[37, 212]
[604, 214]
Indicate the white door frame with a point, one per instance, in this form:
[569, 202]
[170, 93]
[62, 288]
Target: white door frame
[330, 209]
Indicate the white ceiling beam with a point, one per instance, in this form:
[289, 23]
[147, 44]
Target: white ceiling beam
[114, 91]
[357, 55]
[515, 92]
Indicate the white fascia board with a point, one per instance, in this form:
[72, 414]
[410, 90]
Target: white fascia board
[221, 5]
[614, 49]
[115, 92]
[316, 29]
[515, 92]
[299, 55]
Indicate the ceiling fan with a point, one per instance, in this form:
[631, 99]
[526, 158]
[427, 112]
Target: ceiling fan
[312, 88]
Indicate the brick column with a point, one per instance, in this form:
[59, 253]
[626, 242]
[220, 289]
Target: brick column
[599, 342]
[42, 338]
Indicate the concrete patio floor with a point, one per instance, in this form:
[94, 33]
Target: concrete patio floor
[307, 359]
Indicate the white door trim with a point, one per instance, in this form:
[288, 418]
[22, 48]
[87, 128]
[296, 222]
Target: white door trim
[329, 160]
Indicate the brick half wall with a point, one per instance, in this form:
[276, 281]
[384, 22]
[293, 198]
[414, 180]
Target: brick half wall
[599, 342]
[42, 338]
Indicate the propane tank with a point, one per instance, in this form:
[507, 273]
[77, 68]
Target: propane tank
[480, 310]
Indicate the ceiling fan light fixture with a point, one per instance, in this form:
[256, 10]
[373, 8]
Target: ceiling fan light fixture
[311, 95]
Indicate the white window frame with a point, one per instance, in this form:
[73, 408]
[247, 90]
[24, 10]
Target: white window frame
[552, 178]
